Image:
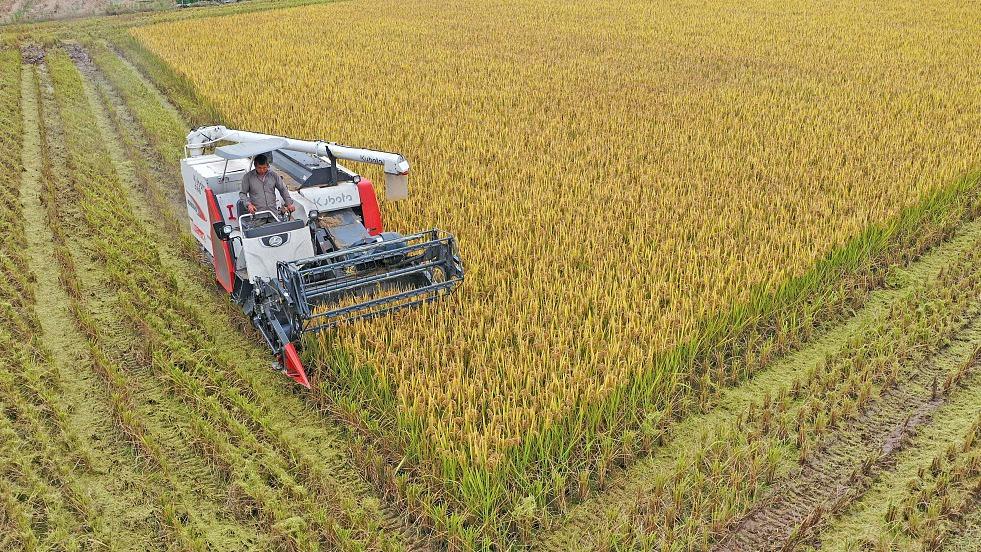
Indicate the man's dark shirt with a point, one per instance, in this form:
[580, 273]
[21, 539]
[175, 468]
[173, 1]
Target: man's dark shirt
[261, 190]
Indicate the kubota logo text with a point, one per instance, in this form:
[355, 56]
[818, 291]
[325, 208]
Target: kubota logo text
[331, 200]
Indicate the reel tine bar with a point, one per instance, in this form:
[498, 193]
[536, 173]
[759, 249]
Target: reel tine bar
[409, 271]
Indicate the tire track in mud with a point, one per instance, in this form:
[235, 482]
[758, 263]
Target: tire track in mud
[587, 526]
[924, 501]
[281, 407]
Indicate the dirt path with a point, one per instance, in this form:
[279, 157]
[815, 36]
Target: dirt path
[19, 11]
[586, 526]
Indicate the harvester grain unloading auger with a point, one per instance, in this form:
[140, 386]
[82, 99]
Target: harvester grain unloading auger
[328, 263]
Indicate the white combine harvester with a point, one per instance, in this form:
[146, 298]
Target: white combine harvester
[328, 263]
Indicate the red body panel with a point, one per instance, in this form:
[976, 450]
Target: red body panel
[224, 268]
[294, 368]
[369, 207]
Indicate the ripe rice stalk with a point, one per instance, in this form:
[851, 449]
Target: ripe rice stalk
[718, 180]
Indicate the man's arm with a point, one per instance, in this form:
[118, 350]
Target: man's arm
[243, 194]
[284, 192]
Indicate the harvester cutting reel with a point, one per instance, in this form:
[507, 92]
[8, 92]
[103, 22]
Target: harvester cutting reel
[327, 263]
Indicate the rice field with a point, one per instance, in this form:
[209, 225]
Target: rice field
[610, 202]
[722, 281]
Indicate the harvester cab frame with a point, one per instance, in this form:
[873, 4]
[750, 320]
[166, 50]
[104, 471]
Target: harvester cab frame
[331, 261]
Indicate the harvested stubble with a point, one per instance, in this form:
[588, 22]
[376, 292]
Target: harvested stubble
[44, 502]
[613, 190]
[928, 498]
[270, 476]
[26, 500]
[941, 493]
[13, 265]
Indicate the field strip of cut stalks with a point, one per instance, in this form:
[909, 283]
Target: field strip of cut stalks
[137, 415]
[138, 410]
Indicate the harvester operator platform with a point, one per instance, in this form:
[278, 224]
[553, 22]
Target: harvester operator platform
[259, 187]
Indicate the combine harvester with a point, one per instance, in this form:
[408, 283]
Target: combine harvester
[328, 263]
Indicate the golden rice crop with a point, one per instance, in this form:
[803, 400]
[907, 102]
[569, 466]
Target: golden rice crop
[616, 172]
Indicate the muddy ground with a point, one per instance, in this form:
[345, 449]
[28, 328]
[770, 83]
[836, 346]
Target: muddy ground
[18, 11]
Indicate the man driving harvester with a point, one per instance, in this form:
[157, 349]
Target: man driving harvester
[259, 188]
[332, 266]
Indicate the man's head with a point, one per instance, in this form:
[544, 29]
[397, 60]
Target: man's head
[261, 164]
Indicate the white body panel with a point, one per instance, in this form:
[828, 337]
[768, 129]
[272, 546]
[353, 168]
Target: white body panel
[328, 199]
[206, 171]
[262, 254]
[227, 202]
